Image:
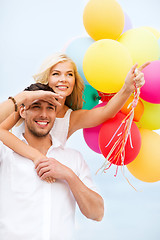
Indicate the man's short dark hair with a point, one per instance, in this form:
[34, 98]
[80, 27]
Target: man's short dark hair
[39, 86]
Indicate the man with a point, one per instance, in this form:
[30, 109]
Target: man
[32, 209]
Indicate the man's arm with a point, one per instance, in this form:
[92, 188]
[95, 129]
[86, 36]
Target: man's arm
[90, 203]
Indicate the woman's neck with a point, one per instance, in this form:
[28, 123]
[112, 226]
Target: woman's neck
[61, 110]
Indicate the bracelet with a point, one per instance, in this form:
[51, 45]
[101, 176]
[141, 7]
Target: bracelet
[15, 103]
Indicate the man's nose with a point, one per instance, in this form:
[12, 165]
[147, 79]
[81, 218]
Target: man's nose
[43, 113]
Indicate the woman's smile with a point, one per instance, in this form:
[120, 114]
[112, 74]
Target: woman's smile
[62, 78]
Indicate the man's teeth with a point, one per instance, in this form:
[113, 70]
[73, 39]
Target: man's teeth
[42, 123]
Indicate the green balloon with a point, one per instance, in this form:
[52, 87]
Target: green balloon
[90, 97]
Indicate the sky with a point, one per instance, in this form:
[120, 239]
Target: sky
[30, 31]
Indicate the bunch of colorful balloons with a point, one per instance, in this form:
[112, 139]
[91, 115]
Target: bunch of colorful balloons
[104, 58]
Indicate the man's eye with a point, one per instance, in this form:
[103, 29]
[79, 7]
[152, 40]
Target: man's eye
[36, 107]
[51, 108]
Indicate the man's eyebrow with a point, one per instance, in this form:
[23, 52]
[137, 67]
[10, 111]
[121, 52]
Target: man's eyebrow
[51, 104]
[35, 103]
[39, 104]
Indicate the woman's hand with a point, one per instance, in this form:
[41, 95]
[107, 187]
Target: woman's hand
[31, 96]
[135, 79]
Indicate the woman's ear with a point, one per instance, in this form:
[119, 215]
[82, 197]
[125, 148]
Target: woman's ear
[22, 111]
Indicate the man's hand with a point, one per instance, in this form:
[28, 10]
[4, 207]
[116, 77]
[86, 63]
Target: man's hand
[90, 203]
[52, 168]
[47, 179]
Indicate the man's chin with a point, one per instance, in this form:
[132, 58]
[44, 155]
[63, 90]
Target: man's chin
[40, 134]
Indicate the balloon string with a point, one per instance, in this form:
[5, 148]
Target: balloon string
[122, 170]
[117, 151]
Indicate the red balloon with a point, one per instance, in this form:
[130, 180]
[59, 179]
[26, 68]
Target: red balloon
[105, 97]
[108, 130]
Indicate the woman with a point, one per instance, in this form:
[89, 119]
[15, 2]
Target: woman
[61, 74]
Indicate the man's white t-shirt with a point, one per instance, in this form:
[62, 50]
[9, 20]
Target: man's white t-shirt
[32, 209]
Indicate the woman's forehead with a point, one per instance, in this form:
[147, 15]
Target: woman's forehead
[63, 65]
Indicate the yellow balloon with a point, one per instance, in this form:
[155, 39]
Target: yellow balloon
[106, 64]
[103, 19]
[142, 45]
[151, 116]
[146, 166]
[154, 31]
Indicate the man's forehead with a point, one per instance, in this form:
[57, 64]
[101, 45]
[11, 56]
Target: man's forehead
[41, 102]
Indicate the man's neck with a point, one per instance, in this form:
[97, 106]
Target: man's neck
[40, 143]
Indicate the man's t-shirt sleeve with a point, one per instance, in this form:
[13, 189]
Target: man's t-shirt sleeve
[85, 174]
[1, 151]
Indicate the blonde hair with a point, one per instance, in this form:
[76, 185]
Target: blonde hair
[74, 100]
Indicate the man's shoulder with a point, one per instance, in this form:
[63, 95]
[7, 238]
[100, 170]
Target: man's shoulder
[4, 150]
[72, 150]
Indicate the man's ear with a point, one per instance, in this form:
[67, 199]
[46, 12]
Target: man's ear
[22, 111]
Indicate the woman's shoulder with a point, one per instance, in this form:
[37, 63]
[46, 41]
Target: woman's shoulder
[77, 114]
[64, 113]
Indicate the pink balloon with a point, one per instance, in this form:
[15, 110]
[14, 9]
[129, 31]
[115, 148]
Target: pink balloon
[91, 137]
[150, 92]
[91, 134]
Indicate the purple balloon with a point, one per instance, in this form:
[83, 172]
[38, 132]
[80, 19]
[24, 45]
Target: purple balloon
[127, 23]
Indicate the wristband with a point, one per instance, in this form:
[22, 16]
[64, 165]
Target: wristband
[15, 103]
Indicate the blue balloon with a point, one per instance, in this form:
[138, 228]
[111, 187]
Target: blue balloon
[76, 51]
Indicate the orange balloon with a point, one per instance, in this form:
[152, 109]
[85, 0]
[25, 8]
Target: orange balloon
[146, 166]
[138, 111]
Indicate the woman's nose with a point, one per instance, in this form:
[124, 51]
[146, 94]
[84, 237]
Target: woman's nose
[63, 78]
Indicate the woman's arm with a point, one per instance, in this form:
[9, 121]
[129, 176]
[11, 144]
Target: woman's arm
[91, 118]
[27, 97]
[18, 146]
[11, 141]
[7, 107]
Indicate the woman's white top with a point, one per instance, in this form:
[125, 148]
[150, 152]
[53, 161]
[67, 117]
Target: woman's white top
[61, 127]
[59, 131]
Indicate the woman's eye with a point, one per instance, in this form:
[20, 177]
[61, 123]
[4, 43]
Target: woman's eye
[70, 74]
[54, 74]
